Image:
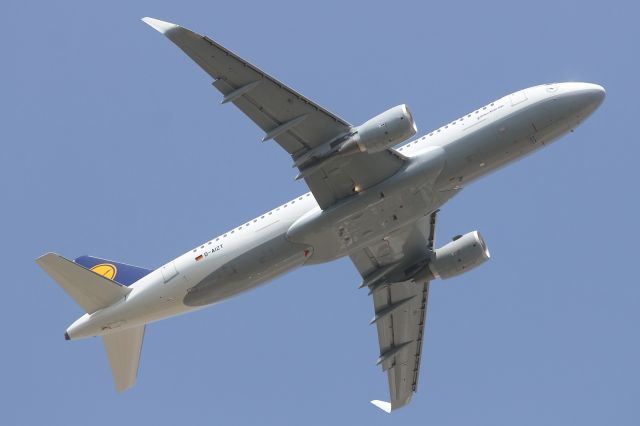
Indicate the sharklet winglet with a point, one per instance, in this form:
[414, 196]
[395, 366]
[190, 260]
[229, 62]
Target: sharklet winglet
[383, 405]
[158, 25]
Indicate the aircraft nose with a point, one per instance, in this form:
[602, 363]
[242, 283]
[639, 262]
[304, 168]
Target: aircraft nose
[584, 98]
[588, 95]
[593, 94]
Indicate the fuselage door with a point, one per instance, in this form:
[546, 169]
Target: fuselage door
[518, 97]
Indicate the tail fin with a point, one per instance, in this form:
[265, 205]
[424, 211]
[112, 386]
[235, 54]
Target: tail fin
[119, 272]
[90, 290]
[94, 289]
[124, 349]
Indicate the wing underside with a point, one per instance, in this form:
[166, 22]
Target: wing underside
[400, 335]
[297, 124]
[400, 304]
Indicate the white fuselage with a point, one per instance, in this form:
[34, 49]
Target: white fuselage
[438, 165]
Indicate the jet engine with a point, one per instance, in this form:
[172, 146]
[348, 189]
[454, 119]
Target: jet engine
[462, 254]
[382, 131]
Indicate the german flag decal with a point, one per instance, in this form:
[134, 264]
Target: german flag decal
[199, 258]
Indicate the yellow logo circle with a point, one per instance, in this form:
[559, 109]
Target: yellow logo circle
[107, 270]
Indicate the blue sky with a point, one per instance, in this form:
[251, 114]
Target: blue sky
[114, 145]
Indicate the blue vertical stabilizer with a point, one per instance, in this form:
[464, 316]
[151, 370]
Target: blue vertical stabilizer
[119, 272]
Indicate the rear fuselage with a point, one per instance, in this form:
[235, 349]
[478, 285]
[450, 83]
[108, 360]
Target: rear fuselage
[296, 233]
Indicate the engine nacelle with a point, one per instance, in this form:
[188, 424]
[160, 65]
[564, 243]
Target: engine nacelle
[460, 255]
[382, 131]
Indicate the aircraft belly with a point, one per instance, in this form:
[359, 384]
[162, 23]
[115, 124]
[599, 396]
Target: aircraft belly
[248, 270]
[372, 214]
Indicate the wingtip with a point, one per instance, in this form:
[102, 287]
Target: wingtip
[161, 26]
[45, 257]
[383, 405]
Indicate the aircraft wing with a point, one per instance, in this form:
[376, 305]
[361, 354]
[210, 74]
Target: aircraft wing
[297, 124]
[400, 304]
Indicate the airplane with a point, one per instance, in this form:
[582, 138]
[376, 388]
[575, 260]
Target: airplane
[369, 201]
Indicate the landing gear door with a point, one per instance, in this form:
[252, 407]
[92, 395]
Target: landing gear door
[169, 271]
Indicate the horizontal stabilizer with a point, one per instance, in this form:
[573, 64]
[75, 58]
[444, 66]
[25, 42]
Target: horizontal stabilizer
[124, 349]
[90, 290]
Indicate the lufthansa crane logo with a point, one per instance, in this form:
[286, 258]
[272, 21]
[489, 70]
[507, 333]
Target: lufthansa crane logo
[107, 270]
